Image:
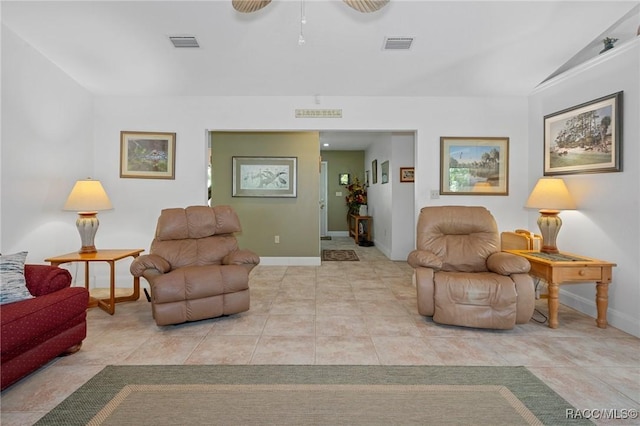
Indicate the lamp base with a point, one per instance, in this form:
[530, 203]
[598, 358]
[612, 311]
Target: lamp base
[87, 224]
[549, 223]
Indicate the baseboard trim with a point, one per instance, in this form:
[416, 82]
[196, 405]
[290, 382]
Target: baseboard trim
[338, 233]
[290, 261]
[615, 318]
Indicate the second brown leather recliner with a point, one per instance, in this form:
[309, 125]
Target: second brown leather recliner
[462, 277]
[195, 268]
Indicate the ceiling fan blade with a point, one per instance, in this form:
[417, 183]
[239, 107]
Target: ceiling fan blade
[248, 6]
[366, 6]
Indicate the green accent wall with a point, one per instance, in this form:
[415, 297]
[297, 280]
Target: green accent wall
[295, 220]
[351, 162]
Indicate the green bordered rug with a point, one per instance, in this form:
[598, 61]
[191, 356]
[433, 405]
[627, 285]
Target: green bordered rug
[312, 395]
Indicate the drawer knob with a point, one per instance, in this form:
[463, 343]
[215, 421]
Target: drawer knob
[582, 272]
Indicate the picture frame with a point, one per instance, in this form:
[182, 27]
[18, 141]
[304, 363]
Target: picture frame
[344, 179]
[264, 176]
[474, 165]
[586, 138]
[374, 171]
[147, 155]
[384, 167]
[407, 174]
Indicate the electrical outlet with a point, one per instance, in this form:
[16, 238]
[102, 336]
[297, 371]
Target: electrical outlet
[435, 194]
[276, 239]
[338, 194]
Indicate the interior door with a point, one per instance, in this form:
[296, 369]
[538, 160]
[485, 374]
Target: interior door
[323, 200]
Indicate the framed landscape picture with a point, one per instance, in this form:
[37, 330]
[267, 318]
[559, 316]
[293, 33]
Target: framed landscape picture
[585, 138]
[474, 166]
[264, 176]
[147, 155]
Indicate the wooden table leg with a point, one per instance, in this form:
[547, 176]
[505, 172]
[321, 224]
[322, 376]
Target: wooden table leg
[110, 307]
[602, 301]
[553, 305]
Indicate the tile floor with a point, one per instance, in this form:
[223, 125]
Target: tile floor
[343, 313]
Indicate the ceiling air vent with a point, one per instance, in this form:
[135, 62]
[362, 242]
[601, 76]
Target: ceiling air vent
[184, 41]
[397, 43]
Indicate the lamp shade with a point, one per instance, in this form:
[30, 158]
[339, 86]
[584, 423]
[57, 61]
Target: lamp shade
[550, 194]
[88, 196]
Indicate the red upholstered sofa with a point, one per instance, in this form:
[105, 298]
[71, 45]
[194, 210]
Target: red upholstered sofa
[34, 331]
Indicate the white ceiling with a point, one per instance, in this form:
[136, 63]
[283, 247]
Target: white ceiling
[460, 48]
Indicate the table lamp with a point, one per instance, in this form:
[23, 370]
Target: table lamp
[550, 195]
[87, 197]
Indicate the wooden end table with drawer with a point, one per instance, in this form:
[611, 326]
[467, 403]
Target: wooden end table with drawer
[568, 268]
[111, 257]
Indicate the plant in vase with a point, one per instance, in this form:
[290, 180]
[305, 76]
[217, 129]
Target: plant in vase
[356, 197]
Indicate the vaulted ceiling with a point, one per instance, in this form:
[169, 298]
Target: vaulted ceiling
[460, 48]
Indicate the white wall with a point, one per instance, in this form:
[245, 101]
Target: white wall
[392, 204]
[404, 225]
[607, 222]
[47, 144]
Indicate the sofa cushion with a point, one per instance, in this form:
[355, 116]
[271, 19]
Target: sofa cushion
[28, 323]
[13, 287]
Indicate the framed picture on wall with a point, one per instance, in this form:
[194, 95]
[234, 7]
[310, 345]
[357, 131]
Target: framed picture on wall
[585, 138]
[406, 174]
[147, 155]
[264, 176]
[374, 171]
[385, 172]
[474, 166]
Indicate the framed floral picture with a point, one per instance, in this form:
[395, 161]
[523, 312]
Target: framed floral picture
[147, 155]
[474, 166]
[586, 138]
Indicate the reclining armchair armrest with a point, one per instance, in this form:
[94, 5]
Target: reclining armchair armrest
[149, 261]
[507, 263]
[241, 257]
[46, 279]
[425, 259]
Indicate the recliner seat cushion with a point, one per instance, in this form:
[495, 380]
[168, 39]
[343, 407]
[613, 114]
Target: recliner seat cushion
[483, 300]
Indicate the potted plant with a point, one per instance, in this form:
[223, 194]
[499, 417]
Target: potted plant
[356, 198]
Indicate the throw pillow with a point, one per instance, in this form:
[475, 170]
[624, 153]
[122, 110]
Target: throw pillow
[13, 286]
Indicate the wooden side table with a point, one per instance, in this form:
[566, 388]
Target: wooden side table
[111, 257]
[354, 227]
[568, 268]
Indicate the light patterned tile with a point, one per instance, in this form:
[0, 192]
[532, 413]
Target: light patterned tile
[298, 350]
[343, 350]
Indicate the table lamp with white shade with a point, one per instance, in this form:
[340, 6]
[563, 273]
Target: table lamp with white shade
[550, 195]
[88, 197]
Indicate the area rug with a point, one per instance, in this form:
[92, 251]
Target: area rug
[340, 255]
[317, 395]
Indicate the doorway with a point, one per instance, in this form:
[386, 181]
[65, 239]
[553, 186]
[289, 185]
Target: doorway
[324, 217]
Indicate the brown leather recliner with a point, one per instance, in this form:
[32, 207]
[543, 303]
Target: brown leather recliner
[462, 277]
[195, 269]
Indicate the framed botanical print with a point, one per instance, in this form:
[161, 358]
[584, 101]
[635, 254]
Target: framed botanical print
[264, 176]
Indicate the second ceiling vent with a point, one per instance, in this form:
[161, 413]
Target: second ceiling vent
[397, 43]
[184, 41]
